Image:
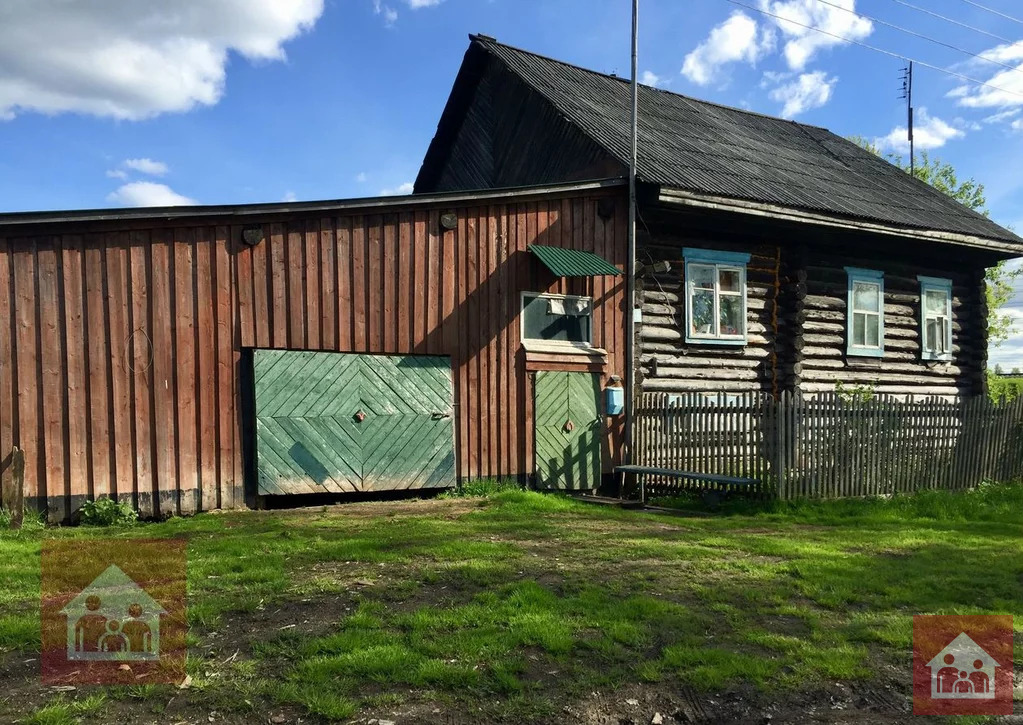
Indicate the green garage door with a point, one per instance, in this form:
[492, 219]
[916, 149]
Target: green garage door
[332, 422]
[566, 420]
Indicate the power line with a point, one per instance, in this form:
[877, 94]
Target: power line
[954, 21]
[877, 50]
[921, 35]
[993, 11]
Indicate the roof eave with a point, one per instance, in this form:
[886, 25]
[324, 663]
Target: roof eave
[741, 206]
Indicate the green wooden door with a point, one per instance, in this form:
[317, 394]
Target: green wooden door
[566, 420]
[336, 423]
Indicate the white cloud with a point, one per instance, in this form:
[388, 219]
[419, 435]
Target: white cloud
[808, 91]
[416, 4]
[389, 14]
[361, 177]
[649, 78]
[148, 193]
[802, 43]
[117, 174]
[289, 196]
[737, 39]
[127, 59]
[146, 166]
[1002, 116]
[1017, 125]
[400, 190]
[929, 132]
[1005, 87]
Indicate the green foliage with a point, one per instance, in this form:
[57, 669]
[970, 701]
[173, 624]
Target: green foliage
[107, 512]
[854, 393]
[1002, 388]
[969, 192]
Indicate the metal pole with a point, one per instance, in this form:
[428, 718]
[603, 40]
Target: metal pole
[909, 98]
[630, 269]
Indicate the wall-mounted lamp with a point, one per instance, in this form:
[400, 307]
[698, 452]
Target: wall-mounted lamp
[252, 235]
[448, 221]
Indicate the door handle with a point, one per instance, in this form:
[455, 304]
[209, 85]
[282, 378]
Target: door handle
[441, 416]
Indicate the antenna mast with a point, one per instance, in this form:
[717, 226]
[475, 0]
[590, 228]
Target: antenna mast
[907, 93]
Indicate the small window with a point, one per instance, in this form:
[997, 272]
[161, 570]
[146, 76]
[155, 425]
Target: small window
[865, 318]
[935, 318]
[715, 296]
[557, 319]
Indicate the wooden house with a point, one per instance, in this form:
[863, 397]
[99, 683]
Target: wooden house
[796, 259]
[192, 358]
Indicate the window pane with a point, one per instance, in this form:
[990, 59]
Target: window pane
[859, 329]
[703, 312]
[541, 321]
[935, 302]
[702, 276]
[931, 335]
[865, 296]
[873, 331]
[729, 280]
[944, 338]
[731, 315]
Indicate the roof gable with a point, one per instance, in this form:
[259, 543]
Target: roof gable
[703, 147]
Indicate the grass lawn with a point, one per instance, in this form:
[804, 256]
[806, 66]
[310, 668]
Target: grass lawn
[523, 607]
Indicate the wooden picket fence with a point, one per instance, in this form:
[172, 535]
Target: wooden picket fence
[830, 445]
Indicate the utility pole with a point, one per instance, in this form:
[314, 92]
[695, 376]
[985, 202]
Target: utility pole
[630, 267]
[907, 93]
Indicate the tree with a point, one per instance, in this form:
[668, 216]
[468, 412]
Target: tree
[943, 177]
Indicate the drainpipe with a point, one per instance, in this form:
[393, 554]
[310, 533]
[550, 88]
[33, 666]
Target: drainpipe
[630, 268]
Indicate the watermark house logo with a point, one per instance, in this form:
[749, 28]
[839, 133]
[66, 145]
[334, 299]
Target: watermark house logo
[113, 619]
[113, 611]
[963, 671]
[962, 665]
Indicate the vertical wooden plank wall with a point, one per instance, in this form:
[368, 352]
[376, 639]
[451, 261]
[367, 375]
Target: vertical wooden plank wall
[120, 345]
[398, 283]
[116, 368]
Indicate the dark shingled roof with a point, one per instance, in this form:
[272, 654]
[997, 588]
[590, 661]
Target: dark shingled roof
[703, 147]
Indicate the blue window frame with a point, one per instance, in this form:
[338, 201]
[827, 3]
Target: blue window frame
[715, 290]
[935, 318]
[865, 313]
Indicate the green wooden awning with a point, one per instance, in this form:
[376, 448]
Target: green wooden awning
[573, 262]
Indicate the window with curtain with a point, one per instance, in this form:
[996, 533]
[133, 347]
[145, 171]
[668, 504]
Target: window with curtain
[935, 318]
[715, 284]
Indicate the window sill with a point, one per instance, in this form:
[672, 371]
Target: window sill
[864, 354]
[540, 347]
[715, 342]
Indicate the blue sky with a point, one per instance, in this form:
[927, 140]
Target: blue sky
[224, 101]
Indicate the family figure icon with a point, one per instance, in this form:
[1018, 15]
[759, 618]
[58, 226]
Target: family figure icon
[962, 670]
[113, 619]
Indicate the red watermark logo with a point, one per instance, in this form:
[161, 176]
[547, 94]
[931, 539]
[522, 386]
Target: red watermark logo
[113, 611]
[962, 665]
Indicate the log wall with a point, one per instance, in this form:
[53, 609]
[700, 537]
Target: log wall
[666, 362]
[822, 359]
[123, 344]
[796, 310]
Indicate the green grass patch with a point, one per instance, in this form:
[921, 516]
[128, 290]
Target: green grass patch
[522, 600]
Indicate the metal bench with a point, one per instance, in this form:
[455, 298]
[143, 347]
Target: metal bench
[710, 496]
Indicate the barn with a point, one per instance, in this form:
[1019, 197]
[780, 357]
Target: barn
[187, 359]
[191, 358]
